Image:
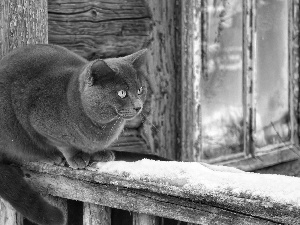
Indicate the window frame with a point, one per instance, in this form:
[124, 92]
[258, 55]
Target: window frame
[194, 57]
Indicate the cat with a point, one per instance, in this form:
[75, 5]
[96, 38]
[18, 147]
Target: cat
[54, 104]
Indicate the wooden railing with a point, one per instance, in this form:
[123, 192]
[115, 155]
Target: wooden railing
[191, 192]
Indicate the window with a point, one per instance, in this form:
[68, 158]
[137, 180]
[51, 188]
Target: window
[248, 100]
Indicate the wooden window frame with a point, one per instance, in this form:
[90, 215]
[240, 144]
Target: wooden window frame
[193, 45]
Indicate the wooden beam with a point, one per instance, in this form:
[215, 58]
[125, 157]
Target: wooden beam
[144, 196]
[130, 141]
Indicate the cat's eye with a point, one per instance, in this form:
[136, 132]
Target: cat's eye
[122, 93]
[140, 90]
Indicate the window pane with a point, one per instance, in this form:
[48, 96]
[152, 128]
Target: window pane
[221, 85]
[272, 96]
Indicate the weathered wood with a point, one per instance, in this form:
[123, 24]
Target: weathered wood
[22, 22]
[191, 50]
[294, 31]
[130, 141]
[150, 198]
[284, 153]
[9, 216]
[99, 9]
[99, 28]
[291, 168]
[161, 131]
[96, 214]
[143, 219]
[249, 61]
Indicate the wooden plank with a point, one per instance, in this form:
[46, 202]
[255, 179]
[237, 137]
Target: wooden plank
[99, 9]
[92, 47]
[146, 197]
[144, 219]
[138, 201]
[130, 141]
[99, 29]
[96, 214]
[121, 27]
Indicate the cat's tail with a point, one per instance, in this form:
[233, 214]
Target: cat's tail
[15, 190]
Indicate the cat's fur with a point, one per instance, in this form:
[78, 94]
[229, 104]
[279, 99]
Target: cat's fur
[54, 103]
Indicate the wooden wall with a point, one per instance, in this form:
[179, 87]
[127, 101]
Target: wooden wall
[101, 29]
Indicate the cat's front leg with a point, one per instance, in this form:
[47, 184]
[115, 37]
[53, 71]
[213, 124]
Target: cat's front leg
[76, 159]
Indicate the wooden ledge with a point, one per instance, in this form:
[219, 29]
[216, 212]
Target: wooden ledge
[191, 192]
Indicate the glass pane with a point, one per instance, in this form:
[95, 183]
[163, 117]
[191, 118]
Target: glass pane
[221, 86]
[272, 95]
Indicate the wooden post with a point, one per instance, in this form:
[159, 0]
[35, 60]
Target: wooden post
[144, 219]
[96, 214]
[161, 131]
[22, 22]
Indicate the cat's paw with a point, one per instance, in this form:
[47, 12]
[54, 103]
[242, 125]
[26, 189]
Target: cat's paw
[103, 156]
[79, 161]
[56, 159]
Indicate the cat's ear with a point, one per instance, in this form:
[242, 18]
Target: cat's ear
[137, 59]
[98, 71]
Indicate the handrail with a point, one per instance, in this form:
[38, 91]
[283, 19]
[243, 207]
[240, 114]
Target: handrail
[191, 192]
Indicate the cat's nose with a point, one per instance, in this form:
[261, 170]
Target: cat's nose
[137, 109]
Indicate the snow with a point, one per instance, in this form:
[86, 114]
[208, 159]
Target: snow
[204, 179]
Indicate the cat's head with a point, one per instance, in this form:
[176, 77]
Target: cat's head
[114, 88]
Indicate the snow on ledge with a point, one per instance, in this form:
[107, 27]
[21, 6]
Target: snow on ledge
[198, 178]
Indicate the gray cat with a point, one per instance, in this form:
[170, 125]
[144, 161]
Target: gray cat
[55, 104]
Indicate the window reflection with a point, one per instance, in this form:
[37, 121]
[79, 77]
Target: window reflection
[221, 86]
[272, 104]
